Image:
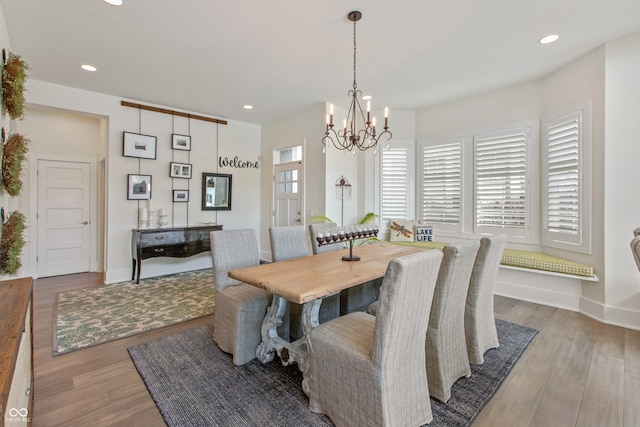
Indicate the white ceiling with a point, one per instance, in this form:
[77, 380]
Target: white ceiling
[284, 56]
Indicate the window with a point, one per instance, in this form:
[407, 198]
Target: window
[440, 177]
[396, 181]
[566, 180]
[286, 155]
[502, 196]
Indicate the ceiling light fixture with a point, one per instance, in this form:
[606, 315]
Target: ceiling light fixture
[88, 67]
[247, 107]
[549, 39]
[350, 136]
[114, 2]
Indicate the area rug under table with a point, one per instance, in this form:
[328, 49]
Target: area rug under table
[195, 384]
[91, 316]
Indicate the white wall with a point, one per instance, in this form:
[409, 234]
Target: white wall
[208, 141]
[621, 192]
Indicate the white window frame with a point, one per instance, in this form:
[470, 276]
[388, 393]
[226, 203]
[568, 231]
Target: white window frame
[529, 232]
[580, 240]
[442, 143]
[410, 147]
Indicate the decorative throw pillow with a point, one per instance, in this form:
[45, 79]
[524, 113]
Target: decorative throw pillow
[424, 233]
[401, 231]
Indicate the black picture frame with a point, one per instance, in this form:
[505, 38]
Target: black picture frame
[180, 196]
[180, 170]
[139, 145]
[216, 191]
[180, 142]
[138, 187]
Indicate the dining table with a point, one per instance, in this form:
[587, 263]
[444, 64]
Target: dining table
[306, 281]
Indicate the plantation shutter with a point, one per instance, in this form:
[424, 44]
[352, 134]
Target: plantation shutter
[441, 172]
[563, 192]
[394, 182]
[501, 182]
[566, 180]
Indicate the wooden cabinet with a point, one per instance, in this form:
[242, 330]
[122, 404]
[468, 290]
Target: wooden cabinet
[16, 353]
[176, 242]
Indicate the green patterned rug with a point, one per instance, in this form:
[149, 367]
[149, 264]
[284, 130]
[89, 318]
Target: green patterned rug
[87, 317]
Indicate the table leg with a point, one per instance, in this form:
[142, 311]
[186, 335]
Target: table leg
[270, 338]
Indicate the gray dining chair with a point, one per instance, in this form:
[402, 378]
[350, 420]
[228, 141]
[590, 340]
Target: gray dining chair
[370, 371]
[479, 321]
[446, 347]
[240, 308]
[291, 242]
[353, 299]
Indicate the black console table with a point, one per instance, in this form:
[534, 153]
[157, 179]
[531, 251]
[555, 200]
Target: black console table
[174, 242]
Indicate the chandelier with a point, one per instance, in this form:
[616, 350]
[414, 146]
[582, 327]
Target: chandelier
[351, 136]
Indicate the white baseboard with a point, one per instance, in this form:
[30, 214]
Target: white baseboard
[561, 292]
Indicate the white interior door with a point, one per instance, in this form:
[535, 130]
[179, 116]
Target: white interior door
[64, 195]
[287, 194]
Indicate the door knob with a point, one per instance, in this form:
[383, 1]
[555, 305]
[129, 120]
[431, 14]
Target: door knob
[85, 223]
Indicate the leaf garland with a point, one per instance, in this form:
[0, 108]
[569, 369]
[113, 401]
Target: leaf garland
[12, 243]
[14, 75]
[15, 151]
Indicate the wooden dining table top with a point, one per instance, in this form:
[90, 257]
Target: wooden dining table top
[308, 278]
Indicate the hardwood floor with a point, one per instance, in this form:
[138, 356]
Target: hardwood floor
[576, 372]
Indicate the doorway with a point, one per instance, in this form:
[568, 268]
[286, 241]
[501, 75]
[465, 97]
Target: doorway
[63, 217]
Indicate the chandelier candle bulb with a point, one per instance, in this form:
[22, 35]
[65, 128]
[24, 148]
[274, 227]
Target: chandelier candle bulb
[386, 117]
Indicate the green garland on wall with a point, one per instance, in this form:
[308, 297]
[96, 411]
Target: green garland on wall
[12, 243]
[13, 156]
[14, 74]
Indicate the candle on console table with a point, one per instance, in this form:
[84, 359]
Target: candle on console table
[144, 214]
[163, 212]
[150, 205]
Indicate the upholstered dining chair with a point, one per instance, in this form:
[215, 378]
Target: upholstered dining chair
[240, 308]
[370, 371]
[635, 249]
[445, 347]
[353, 299]
[291, 242]
[479, 322]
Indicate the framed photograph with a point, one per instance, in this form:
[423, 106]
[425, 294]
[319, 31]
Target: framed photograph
[138, 145]
[139, 187]
[180, 170]
[180, 196]
[181, 142]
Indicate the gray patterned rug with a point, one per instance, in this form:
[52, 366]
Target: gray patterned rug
[195, 384]
[91, 316]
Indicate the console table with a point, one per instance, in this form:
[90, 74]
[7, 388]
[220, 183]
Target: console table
[16, 353]
[174, 242]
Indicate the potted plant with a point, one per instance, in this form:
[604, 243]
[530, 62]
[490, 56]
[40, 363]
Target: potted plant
[12, 243]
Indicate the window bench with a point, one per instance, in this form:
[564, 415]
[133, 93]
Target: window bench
[519, 260]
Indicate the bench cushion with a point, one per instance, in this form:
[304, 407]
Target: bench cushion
[540, 261]
[526, 259]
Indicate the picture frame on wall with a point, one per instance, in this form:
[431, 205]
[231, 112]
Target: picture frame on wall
[180, 170]
[180, 196]
[139, 187]
[181, 142]
[139, 145]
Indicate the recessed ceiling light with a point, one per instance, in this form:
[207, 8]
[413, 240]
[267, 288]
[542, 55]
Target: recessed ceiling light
[248, 107]
[114, 2]
[88, 67]
[549, 39]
